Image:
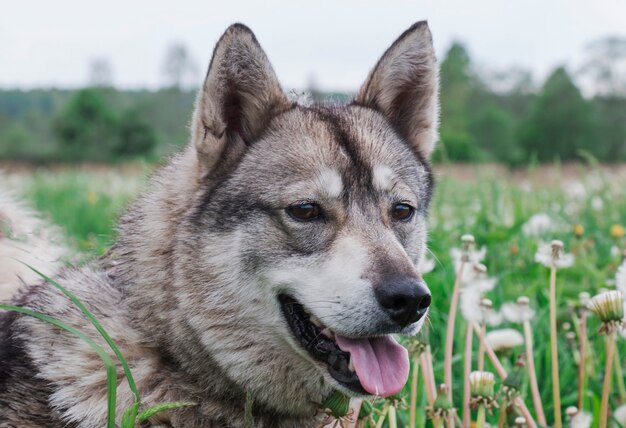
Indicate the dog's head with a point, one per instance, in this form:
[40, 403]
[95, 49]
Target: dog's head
[309, 220]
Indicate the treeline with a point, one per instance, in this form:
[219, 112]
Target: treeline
[501, 117]
[505, 118]
[99, 124]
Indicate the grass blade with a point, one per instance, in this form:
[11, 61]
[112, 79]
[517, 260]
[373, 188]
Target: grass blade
[106, 359]
[98, 326]
[148, 413]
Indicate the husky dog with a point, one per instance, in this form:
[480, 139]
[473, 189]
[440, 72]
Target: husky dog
[274, 258]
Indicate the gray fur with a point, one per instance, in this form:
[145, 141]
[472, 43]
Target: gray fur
[189, 290]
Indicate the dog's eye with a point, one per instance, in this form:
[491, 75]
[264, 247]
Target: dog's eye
[305, 212]
[402, 212]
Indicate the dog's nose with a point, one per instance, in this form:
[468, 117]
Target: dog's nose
[406, 300]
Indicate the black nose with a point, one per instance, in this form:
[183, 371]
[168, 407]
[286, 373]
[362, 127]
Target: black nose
[405, 300]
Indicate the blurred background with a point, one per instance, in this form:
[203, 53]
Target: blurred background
[115, 81]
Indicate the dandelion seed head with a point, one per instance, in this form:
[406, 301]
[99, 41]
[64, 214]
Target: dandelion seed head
[566, 326]
[620, 414]
[538, 224]
[520, 422]
[620, 278]
[519, 311]
[584, 298]
[615, 251]
[468, 239]
[482, 389]
[597, 203]
[552, 254]
[581, 420]
[425, 265]
[504, 339]
[609, 307]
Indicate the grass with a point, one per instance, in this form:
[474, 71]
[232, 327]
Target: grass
[494, 208]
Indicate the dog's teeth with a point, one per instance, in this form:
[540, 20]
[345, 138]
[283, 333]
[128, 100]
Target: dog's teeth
[351, 365]
[326, 332]
[315, 321]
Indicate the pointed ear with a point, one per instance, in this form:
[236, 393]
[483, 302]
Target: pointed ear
[404, 87]
[238, 98]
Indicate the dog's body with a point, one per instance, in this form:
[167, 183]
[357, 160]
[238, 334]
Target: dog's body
[277, 223]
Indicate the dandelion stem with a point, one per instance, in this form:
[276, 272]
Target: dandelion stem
[429, 377]
[532, 373]
[502, 416]
[556, 388]
[606, 386]
[582, 349]
[392, 417]
[620, 376]
[503, 374]
[481, 351]
[414, 379]
[447, 364]
[480, 418]
[466, 376]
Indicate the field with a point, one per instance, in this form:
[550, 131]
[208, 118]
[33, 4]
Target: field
[508, 214]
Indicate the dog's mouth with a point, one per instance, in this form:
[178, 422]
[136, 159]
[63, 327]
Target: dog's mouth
[366, 365]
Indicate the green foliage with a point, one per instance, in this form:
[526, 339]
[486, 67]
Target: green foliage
[560, 122]
[136, 137]
[86, 127]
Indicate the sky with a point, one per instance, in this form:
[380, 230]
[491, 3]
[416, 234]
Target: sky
[51, 43]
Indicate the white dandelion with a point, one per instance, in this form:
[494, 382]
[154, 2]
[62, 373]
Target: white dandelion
[578, 419]
[552, 253]
[517, 312]
[620, 415]
[620, 278]
[504, 339]
[538, 224]
[426, 265]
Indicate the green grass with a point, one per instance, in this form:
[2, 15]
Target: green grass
[493, 208]
[85, 204]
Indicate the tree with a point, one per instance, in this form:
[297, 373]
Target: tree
[100, 73]
[456, 84]
[178, 66]
[606, 66]
[560, 122]
[86, 128]
[493, 129]
[136, 136]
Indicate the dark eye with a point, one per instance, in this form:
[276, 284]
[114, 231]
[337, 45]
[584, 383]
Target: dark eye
[402, 212]
[305, 212]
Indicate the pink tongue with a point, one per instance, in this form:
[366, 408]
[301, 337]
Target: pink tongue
[381, 363]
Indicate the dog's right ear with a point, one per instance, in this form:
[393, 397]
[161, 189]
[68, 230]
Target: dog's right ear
[238, 98]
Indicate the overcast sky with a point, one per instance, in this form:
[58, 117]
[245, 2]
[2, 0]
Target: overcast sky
[50, 43]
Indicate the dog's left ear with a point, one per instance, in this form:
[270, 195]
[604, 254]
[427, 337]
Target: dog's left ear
[404, 87]
[239, 97]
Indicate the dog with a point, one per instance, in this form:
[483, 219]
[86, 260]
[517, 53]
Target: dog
[25, 239]
[273, 258]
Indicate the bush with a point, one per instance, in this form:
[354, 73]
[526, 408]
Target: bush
[87, 128]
